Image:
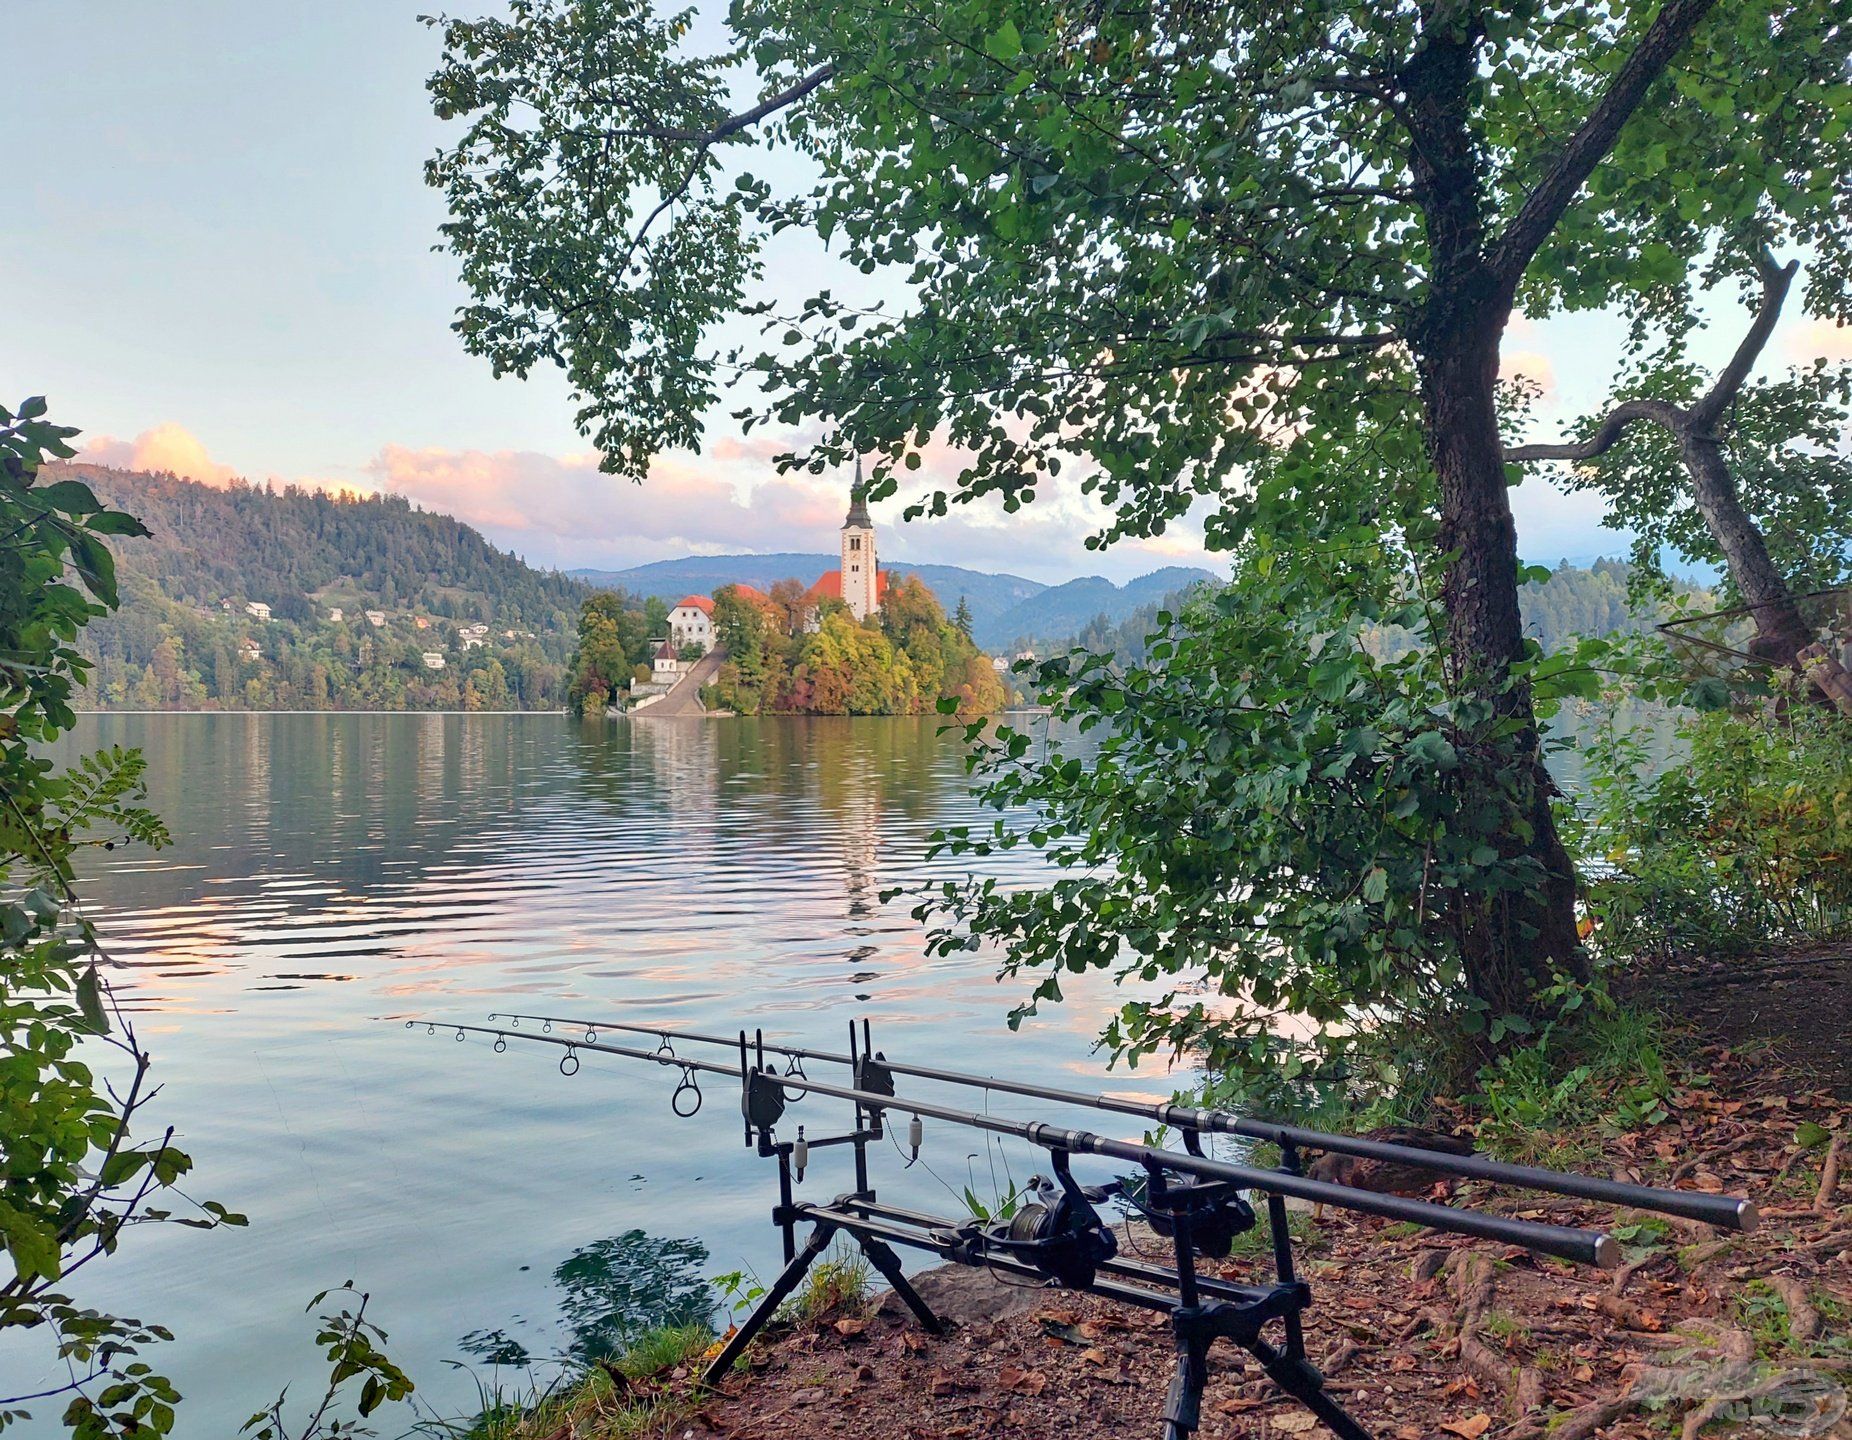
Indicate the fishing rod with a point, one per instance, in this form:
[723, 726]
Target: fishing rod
[1586, 1247]
[1725, 1212]
[1056, 1235]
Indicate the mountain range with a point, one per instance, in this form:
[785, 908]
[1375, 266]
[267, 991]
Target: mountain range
[1005, 609]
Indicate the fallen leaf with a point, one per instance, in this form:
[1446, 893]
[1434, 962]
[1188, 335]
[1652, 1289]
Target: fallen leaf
[1095, 1356]
[1471, 1428]
[847, 1327]
[1024, 1382]
[1295, 1422]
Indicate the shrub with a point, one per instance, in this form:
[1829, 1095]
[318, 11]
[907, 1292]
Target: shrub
[1746, 844]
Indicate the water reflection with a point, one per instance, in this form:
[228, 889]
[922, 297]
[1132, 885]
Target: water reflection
[611, 1293]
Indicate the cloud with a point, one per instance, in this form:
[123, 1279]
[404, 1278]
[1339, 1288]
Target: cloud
[168, 447]
[1534, 366]
[560, 510]
[1819, 338]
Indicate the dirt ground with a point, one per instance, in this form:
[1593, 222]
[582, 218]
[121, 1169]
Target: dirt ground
[1797, 1005]
[1421, 1335]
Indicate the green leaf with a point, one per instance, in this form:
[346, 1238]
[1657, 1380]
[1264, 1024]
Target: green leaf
[1434, 750]
[90, 1000]
[1005, 42]
[1810, 1135]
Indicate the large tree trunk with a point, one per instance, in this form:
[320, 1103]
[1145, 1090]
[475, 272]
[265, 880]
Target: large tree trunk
[1512, 941]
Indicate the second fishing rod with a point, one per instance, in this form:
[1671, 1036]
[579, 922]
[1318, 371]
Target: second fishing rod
[762, 1097]
[1726, 1212]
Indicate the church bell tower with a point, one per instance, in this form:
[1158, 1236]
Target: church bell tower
[861, 589]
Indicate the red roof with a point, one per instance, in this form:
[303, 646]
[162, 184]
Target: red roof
[699, 602]
[746, 592]
[829, 586]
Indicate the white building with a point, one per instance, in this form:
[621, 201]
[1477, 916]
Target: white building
[334, 614]
[376, 618]
[434, 660]
[471, 642]
[860, 584]
[691, 622]
[666, 668]
[248, 652]
[257, 608]
[861, 575]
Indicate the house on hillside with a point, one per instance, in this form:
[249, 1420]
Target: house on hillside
[257, 610]
[248, 651]
[471, 642]
[665, 668]
[334, 614]
[433, 659]
[691, 622]
[376, 618]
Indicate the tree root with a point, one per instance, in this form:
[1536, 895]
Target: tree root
[1804, 1322]
[1829, 1177]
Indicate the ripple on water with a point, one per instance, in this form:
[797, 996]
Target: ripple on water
[332, 874]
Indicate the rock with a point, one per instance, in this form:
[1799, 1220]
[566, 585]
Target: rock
[963, 1295]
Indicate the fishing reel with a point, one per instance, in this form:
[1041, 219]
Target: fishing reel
[1214, 1211]
[1059, 1233]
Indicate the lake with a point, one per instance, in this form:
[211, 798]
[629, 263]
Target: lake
[334, 874]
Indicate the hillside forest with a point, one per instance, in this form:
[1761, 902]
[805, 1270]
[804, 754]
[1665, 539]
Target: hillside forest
[499, 631]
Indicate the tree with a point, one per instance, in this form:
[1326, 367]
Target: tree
[1793, 467]
[74, 1082]
[961, 617]
[1147, 241]
[613, 638]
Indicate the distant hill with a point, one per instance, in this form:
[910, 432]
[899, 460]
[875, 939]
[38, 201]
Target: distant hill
[1062, 610]
[1004, 608]
[183, 637]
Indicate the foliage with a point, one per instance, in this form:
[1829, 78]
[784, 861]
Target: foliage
[1598, 1063]
[182, 640]
[74, 1179]
[352, 1344]
[614, 638]
[1743, 845]
[1783, 445]
[906, 659]
[1268, 817]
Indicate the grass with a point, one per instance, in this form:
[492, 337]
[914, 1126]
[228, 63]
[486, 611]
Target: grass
[840, 1283]
[613, 1401]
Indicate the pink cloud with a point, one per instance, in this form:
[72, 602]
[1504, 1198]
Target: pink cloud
[1820, 339]
[167, 447]
[561, 510]
[1532, 365]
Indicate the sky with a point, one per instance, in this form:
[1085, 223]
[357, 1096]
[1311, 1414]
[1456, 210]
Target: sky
[216, 256]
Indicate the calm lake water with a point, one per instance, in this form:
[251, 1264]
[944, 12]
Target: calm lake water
[334, 874]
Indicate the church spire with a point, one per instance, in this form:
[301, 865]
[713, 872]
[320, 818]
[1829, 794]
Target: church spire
[858, 503]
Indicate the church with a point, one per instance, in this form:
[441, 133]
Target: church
[859, 582]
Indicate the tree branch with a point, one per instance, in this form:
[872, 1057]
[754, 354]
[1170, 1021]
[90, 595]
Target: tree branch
[1551, 195]
[1660, 412]
[733, 124]
[1775, 282]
